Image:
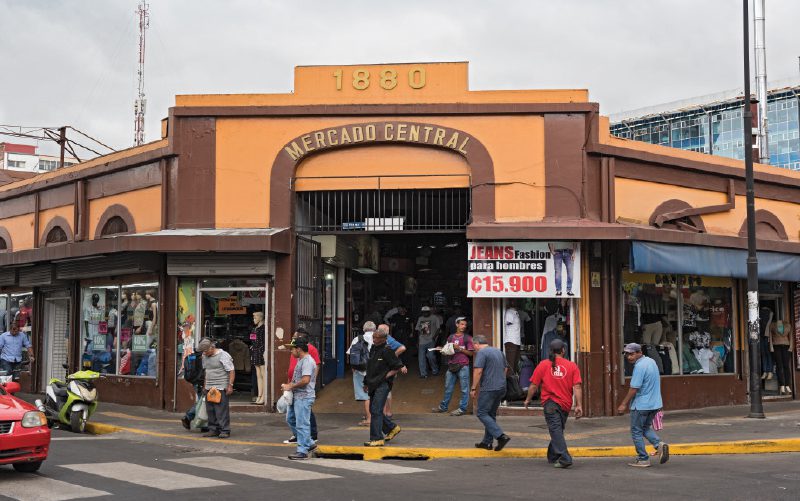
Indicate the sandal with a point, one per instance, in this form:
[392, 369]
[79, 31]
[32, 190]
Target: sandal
[363, 422]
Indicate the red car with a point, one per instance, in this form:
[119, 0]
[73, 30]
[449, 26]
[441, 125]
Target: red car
[24, 435]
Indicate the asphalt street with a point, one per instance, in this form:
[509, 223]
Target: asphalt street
[98, 467]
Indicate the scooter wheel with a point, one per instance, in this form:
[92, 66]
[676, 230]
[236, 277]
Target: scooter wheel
[76, 422]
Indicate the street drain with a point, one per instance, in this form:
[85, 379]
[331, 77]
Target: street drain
[335, 455]
[415, 457]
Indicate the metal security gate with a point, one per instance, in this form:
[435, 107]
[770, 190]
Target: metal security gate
[56, 335]
[308, 292]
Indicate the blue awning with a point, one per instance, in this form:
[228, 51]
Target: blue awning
[649, 257]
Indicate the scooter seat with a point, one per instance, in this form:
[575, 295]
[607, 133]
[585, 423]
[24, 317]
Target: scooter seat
[60, 391]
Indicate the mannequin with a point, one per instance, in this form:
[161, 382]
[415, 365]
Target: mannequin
[781, 337]
[257, 347]
[765, 322]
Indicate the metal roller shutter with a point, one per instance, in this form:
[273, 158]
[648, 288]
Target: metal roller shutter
[218, 264]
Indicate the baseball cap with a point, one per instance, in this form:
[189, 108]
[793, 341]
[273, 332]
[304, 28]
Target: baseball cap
[425, 308]
[557, 345]
[632, 348]
[297, 343]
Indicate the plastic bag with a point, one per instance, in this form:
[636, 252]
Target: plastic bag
[284, 402]
[200, 414]
[447, 349]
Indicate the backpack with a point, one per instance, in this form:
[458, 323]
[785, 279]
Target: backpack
[193, 368]
[359, 354]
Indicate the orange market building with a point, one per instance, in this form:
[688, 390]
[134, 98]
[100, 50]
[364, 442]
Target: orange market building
[373, 186]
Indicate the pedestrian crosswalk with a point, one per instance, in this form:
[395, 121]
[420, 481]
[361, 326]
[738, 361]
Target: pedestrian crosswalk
[183, 474]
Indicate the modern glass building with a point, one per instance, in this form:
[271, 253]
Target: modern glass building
[714, 125]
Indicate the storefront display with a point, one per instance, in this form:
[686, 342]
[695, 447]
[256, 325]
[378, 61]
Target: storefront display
[17, 307]
[683, 322]
[119, 325]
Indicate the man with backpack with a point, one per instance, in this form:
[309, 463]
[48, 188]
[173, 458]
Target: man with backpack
[193, 374]
[382, 366]
[358, 356]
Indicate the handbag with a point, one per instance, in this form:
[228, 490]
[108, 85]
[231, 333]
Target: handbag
[214, 396]
[513, 389]
[658, 421]
[454, 368]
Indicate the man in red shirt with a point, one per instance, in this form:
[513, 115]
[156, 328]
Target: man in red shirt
[302, 335]
[560, 380]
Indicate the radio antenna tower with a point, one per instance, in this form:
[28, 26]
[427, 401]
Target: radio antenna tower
[141, 103]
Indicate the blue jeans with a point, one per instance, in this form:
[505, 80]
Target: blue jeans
[563, 257]
[488, 402]
[450, 385]
[379, 423]
[7, 366]
[430, 356]
[298, 417]
[642, 425]
[767, 364]
[556, 419]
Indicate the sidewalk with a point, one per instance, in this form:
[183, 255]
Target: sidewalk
[717, 430]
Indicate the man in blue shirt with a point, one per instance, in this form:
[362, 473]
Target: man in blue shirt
[645, 392]
[11, 345]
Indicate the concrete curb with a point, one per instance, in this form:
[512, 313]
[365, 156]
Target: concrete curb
[426, 453]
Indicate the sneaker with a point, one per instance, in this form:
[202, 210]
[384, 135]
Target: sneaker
[185, 422]
[211, 434]
[438, 410]
[558, 293]
[457, 412]
[298, 456]
[313, 449]
[290, 440]
[483, 445]
[374, 443]
[204, 429]
[569, 293]
[224, 435]
[502, 440]
[395, 431]
[423, 377]
[663, 453]
[559, 464]
[640, 463]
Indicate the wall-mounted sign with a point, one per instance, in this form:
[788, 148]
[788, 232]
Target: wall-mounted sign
[230, 306]
[523, 269]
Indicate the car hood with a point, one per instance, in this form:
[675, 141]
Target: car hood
[12, 408]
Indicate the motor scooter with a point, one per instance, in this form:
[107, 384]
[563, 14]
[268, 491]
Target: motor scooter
[70, 403]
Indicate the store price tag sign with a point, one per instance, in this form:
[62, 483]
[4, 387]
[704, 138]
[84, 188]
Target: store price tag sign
[523, 269]
[139, 342]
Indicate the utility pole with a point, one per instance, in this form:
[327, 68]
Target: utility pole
[759, 37]
[756, 406]
[62, 141]
[141, 103]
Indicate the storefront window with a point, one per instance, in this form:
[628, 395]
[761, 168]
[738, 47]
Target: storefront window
[531, 324]
[17, 307]
[120, 329]
[685, 323]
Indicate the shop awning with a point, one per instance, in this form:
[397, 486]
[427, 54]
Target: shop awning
[649, 257]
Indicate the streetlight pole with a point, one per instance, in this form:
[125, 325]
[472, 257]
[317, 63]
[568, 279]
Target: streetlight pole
[756, 406]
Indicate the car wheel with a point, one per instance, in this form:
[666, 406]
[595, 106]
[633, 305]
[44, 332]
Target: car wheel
[76, 421]
[28, 467]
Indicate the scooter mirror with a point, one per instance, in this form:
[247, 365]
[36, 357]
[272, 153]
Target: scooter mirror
[65, 366]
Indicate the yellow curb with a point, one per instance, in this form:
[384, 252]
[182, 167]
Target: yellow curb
[375, 453]
[692, 449]
[131, 417]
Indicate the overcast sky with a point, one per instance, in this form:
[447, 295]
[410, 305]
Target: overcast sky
[73, 62]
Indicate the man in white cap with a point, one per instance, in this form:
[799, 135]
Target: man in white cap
[645, 392]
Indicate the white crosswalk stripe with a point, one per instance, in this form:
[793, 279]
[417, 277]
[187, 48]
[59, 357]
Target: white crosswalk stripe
[371, 467]
[156, 478]
[252, 469]
[38, 488]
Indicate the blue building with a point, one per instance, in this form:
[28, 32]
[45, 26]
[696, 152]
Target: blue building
[713, 124]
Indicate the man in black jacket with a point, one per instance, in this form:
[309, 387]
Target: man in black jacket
[382, 366]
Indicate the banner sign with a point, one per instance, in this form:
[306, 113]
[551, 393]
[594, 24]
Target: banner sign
[524, 269]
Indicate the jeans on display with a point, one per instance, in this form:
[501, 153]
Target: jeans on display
[219, 415]
[556, 420]
[488, 402]
[563, 256]
[450, 384]
[379, 424]
[783, 364]
[298, 417]
[426, 357]
[642, 426]
[512, 357]
[767, 364]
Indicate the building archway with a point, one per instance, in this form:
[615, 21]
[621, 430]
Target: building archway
[768, 227]
[57, 231]
[115, 220]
